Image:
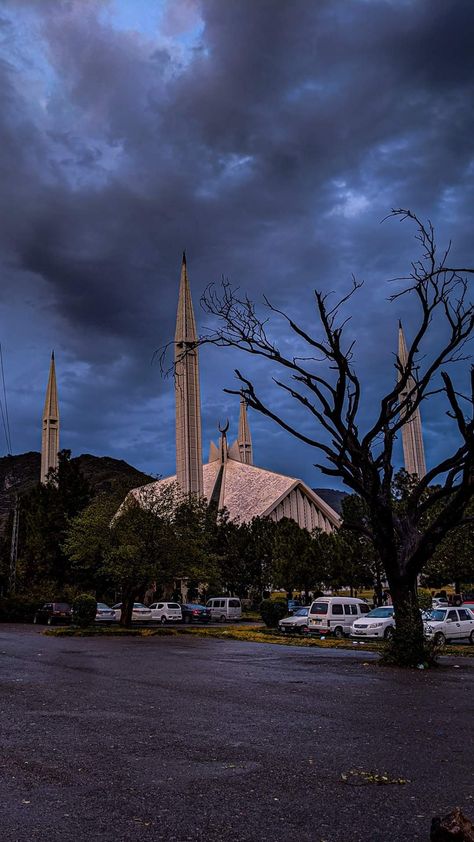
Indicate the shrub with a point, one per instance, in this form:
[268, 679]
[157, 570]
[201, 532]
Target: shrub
[17, 609]
[424, 599]
[272, 611]
[84, 609]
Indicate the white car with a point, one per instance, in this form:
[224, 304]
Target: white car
[166, 612]
[439, 602]
[297, 622]
[104, 614]
[140, 613]
[378, 623]
[449, 624]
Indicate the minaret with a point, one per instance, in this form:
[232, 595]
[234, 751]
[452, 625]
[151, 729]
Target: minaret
[412, 437]
[188, 406]
[50, 433]
[244, 439]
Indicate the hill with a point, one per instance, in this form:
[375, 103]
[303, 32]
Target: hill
[19, 474]
[331, 496]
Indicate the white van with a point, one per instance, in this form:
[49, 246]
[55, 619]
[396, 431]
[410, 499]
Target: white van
[224, 608]
[335, 614]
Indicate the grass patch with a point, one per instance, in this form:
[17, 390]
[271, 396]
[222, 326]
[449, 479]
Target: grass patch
[110, 631]
[265, 635]
[259, 634]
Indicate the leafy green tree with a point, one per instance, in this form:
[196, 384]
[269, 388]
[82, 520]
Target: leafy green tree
[129, 548]
[156, 538]
[258, 544]
[453, 561]
[46, 513]
[242, 553]
[360, 563]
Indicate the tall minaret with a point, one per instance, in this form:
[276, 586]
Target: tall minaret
[412, 436]
[188, 406]
[244, 439]
[50, 433]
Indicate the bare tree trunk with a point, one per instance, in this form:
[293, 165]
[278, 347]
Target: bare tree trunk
[128, 598]
[408, 647]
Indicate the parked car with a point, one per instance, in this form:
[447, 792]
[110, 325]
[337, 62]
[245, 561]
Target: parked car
[166, 612]
[378, 623]
[296, 622]
[224, 608]
[335, 614]
[53, 612]
[439, 602]
[140, 613]
[104, 614]
[450, 624]
[194, 613]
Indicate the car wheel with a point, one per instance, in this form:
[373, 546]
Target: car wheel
[163, 620]
[439, 639]
[222, 618]
[338, 633]
[388, 633]
[471, 638]
[188, 620]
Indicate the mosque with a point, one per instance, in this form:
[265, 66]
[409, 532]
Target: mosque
[229, 479]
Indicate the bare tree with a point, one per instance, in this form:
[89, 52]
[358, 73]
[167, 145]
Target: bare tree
[326, 385]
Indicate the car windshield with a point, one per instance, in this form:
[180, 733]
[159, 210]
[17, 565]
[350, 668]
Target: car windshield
[438, 614]
[195, 605]
[138, 605]
[380, 612]
[319, 608]
[61, 606]
[102, 605]
[302, 612]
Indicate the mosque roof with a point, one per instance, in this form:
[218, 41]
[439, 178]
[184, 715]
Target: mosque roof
[248, 491]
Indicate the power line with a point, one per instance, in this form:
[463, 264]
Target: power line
[4, 424]
[7, 431]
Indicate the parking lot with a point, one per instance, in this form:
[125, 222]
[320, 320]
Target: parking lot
[184, 738]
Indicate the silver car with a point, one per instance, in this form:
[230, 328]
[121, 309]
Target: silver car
[450, 624]
[104, 614]
[140, 613]
[378, 623]
[166, 612]
[297, 623]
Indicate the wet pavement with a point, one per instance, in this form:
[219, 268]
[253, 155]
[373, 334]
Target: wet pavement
[185, 738]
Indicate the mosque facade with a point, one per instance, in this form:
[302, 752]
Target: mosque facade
[229, 479]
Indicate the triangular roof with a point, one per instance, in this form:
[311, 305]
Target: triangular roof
[248, 491]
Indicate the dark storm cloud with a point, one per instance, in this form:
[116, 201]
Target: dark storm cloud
[269, 139]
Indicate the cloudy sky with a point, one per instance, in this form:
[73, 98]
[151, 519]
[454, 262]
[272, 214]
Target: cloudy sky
[266, 137]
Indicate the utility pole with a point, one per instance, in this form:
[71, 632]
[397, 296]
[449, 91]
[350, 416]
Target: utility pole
[14, 546]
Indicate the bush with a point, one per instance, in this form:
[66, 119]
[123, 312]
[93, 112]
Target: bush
[424, 599]
[84, 609]
[17, 609]
[272, 611]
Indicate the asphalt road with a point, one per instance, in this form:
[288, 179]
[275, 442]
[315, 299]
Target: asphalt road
[198, 739]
